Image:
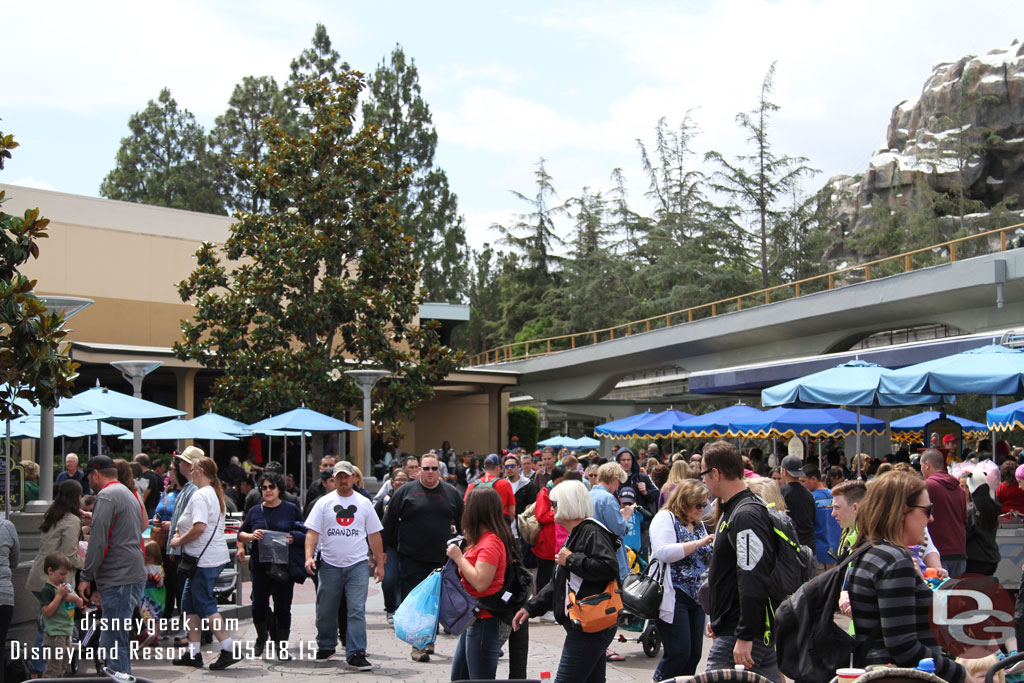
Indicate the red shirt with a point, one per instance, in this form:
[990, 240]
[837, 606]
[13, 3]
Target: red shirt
[1011, 496]
[491, 550]
[504, 489]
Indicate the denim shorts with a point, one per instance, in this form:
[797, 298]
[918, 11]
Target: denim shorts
[197, 596]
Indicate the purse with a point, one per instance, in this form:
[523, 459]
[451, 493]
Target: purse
[188, 565]
[642, 593]
[598, 612]
[279, 573]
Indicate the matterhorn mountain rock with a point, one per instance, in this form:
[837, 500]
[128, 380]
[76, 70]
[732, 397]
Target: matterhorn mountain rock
[984, 95]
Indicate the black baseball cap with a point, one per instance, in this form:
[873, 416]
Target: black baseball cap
[98, 462]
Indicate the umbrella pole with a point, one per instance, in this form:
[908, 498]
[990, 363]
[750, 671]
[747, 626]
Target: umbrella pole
[857, 455]
[302, 464]
[284, 464]
[7, 474]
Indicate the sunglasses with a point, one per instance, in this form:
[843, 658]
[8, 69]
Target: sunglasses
[701, 506]
[927, 508]
[706, 472]
[511, 466]
[431, 469]
[268, 487]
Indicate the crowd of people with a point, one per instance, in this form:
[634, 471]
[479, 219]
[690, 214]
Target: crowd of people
[579, 523]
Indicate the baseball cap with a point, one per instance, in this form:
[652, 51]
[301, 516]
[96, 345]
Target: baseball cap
[793, 465]
[344, 467]
[492, 460]
[191, 455]
[515, 438]
[98, 462]
[627, 494]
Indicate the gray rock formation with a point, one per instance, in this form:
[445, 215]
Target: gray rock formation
[926, 143]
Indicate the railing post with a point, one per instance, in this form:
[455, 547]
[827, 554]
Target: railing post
[867, 271]
[595, 337]
[952, 252]
[714, 310]
[668, 320]
[549, 346]
[689, 316]
[797, 290]
[611, 333]
[648, 324]
[1002, 241]
[831, 281]
[572, 340]
[767, 297]
[527, 349]
[906, 263]
[739, 304]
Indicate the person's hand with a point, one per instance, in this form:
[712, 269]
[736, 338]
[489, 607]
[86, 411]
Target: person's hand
[708, 631]
[240, 554]
[176, 541]
[62, 590]
[258, 535]
[454, 552]
[291, 539]
[742, 653]
[627, 511]
[166, 526]
[311, 566]
[378, 572]
[520, 616]
[562, 556]
[844, 603]
[708, 540]
[943, 574]
[86, 516]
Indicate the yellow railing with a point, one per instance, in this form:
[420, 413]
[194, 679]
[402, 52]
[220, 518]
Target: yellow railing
[945, 251]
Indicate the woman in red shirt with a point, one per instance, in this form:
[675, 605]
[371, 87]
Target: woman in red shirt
[546, 546]
[1009, 493]
[482, 568]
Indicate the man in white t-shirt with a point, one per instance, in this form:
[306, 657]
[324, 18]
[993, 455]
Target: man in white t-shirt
[342, 523]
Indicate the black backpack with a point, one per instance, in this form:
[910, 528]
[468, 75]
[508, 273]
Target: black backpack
[516, 589]
[808, 643]
[795, 564]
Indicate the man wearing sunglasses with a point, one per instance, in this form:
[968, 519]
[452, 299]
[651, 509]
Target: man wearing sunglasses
[741, 562]
[420, 518]
[948, 527]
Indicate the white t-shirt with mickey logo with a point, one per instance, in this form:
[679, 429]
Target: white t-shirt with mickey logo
[344, 523]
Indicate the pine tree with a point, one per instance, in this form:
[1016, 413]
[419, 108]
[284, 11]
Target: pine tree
[237, 143]
[164, 161]
[428, 209]
[758, 183]
[317, 62]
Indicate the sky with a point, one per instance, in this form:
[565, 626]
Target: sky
[576, 83]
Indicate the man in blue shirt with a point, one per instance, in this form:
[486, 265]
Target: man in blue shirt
[826, 528]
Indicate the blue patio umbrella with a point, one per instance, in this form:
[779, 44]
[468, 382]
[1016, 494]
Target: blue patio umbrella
[995, 370]
[223, 424]
[817, 422]
[583, 442]
[656, 426]
[301, 420]
[556, 441]
[854, 383]
[69, 428]
[1006, 418]
[178, 429]
[910, 429]
[120, 406]
[613, 428]
[716, 424]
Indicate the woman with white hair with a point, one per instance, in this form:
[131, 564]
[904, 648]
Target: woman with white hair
[586, 564]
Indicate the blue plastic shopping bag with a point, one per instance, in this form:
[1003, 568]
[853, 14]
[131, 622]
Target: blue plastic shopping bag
[416, 617]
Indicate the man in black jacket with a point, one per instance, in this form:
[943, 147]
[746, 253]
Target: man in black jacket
[800, 504]
[743, 557]
[419, 521]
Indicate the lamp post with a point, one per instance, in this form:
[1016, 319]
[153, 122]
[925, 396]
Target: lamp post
[135, 371]
[69, 306]
[366, 379]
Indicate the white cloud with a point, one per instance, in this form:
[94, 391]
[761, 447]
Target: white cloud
[33, 182]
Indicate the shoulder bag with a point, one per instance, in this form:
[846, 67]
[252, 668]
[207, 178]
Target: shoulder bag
[189, 564]
[642, 592]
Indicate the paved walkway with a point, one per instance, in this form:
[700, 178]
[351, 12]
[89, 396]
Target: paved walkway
[389, 655]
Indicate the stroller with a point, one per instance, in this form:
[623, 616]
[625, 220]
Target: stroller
[646, 629]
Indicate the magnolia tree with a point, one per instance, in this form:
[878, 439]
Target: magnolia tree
[33, 365]
[326, 275]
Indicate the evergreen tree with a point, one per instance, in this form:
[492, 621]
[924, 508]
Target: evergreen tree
[758, 183]
[427, 208]
[322, 278]
[237, 143]
[165, 161]
[317, 62]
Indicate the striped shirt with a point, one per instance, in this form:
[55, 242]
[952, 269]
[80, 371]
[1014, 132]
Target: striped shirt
[884, 586]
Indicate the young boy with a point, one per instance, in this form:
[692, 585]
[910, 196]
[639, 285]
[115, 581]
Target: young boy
[154, 597]
[58, 599]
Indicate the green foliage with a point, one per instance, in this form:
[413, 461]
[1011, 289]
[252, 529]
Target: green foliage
[237, 143]
[33, 366]
[164, 161]
[325, 274]
[524, 422]
[758, 183]
[427, 207]
[318, 62]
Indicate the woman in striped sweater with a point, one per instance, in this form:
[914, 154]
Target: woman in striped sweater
[889, 598]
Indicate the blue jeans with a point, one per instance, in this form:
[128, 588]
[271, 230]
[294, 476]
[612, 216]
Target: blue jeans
[476, 655]
[197, 595]
[583, 656]
[352, 582]
[765, 663]
[683, 640]
[956, 565]
[392, 595]
[38, 665]
[119, 602]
